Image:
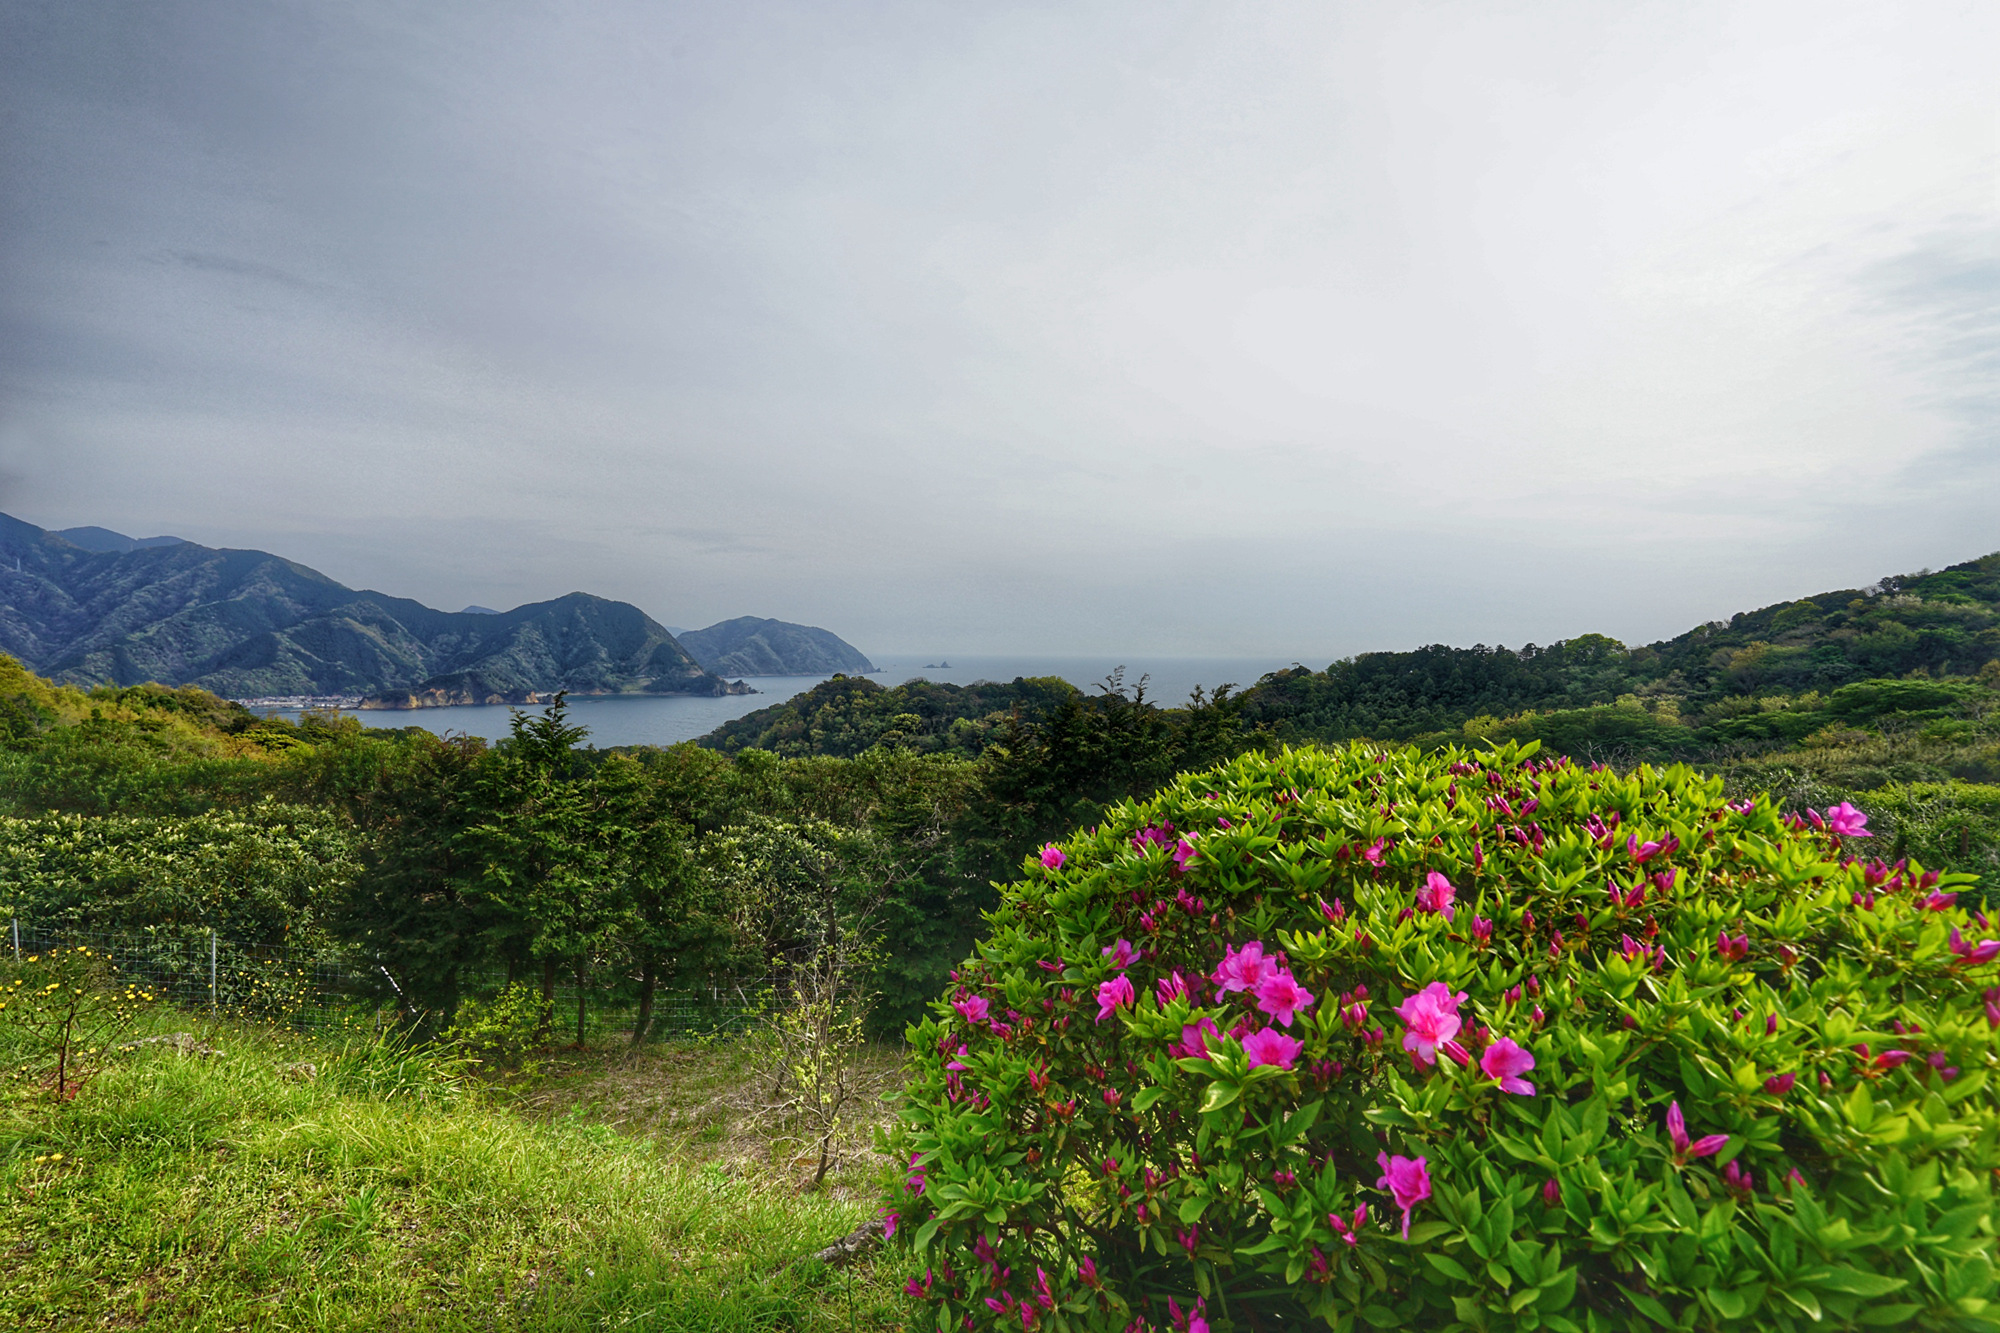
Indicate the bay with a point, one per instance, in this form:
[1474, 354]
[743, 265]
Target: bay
[669, 719]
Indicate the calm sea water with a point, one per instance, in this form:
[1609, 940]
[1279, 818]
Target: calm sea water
[668, 719]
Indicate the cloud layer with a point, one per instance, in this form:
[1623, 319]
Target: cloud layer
[1261, 328]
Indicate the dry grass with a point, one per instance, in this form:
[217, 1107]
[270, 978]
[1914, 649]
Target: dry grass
[711, 1102]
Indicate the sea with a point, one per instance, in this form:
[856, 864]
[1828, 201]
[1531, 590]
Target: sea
[669, 719]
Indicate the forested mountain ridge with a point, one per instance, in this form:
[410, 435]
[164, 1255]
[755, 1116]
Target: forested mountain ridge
[748, 646]
[848, 715]
[1900, 681]
[1777, 673]
[247, 623]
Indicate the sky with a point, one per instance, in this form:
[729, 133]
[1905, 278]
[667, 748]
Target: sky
[1213, 328]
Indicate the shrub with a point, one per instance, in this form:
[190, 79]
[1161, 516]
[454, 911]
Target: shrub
[64, 1008]
[1488, 1042]
[504, 1030]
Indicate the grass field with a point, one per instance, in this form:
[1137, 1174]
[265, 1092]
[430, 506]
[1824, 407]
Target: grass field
[379, 1189]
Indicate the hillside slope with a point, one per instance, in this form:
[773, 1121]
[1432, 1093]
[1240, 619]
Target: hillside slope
[748, 646]
[247, 624]
[1929, 625]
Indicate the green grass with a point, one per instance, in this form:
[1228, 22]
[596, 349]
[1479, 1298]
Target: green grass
[384, 1191]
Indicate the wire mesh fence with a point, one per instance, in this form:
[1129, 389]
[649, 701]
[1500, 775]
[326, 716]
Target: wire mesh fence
[322, 991]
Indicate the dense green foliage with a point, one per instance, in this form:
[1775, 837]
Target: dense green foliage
[847, 715]
[264, 875]
[1253, 1052]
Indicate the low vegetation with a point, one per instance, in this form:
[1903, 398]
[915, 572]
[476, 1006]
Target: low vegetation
[242, 1178]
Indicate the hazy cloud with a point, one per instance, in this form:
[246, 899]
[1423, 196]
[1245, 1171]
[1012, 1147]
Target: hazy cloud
[1117, 327]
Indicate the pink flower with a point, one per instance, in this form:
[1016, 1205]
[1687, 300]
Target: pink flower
[1506, 1061]
[1184, 851]
[1244, 969]
[1171, 988]
[1482, 930]
[1780, 1084]
[1052, 857]
[1738, 1180]
[889, 1221]
[973, 1008]
[1349, 1231]
[1151, 836]
[1407, 1180]
[1683, 1149]
[1121, 954]
[1281, 996]
[1195, 1037]
[1846, 821]
[1938, 902]
[1972, 955]
[1373, 853]
[1268, 1046]
[1733, 949]
[1086, 1272]
[1436, 895]
[1113, 993]
[1432, 1018]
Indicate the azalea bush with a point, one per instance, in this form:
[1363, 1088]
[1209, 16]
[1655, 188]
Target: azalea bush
[1459, 1041]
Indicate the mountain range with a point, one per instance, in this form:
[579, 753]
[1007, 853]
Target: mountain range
[91, 606]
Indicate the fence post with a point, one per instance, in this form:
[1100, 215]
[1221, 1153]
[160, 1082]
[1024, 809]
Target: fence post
[211, 970]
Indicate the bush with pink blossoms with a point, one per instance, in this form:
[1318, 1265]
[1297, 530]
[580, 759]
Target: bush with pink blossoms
[1457, 1041]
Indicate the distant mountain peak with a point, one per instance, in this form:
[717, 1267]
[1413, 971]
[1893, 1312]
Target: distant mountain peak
[103, 541]
[754, 646]
[489, 611]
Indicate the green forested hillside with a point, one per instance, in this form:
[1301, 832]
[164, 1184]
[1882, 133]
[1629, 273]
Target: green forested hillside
[848, 714]
[1778, 674]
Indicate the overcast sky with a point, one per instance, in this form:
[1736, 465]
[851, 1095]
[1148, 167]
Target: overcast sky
[1037, 328]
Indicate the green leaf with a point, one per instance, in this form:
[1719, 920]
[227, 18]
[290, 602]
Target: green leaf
[1193, 1207]
[1219, 1095]
[1447, 1265]
[1899, 1313]
[1147, 1096]
[1652, 1309]
[1596, 1118]
[1425, 1232]
[1801, 1297]
[1860, 1107]
[1856, 1282]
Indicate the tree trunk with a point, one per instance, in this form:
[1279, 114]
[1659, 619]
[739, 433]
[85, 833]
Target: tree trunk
[649, 981]
[548, 995]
